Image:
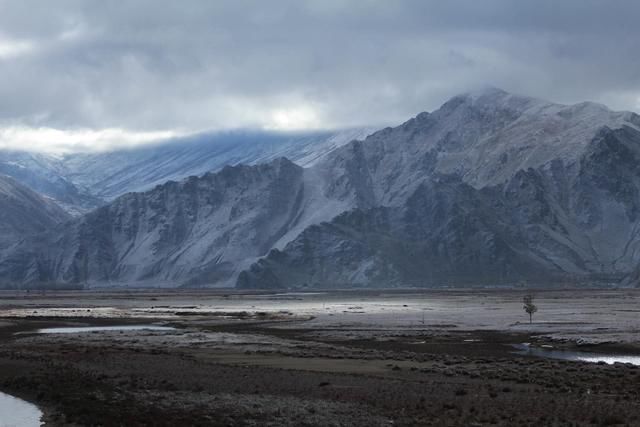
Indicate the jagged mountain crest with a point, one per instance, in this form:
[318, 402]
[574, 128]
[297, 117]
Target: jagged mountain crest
[196, 229]
[484, 138]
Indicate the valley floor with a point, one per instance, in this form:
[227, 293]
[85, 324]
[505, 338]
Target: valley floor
[358, 358]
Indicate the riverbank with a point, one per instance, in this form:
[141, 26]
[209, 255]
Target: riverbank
[323, 359]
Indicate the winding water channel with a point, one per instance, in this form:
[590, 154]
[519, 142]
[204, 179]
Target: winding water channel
[80, 329]
[577, 356]
[16, 412]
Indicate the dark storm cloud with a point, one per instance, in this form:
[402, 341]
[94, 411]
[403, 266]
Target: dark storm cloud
[192, 65]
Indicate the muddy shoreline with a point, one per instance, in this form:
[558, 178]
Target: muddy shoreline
[285, 368]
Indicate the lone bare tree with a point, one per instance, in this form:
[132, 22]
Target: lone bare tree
[529, 306]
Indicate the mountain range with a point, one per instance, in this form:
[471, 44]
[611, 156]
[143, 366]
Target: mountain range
[491, 188]
[80, 182]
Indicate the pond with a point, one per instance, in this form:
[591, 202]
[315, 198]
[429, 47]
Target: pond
[16, 412]
[578, 356]
[80, 329]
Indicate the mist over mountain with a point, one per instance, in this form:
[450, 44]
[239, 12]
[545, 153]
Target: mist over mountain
[80, 182]
[492, 188]
[46, 175]
[111, 174]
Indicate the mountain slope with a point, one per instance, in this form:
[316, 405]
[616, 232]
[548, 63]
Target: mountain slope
[483, 138]
[570, 172]
[445, 233]
[109, 175]
[24, 213]
[197, 230]
[45, 175]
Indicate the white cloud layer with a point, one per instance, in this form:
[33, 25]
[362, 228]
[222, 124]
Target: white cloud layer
[148, 66]
[58, 141]
[12, 48]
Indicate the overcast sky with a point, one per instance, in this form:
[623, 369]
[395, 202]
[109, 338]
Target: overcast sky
[103, 73]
